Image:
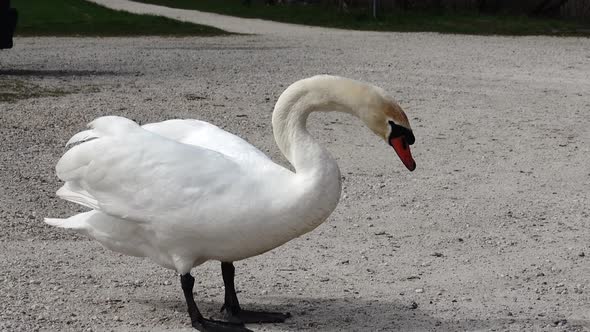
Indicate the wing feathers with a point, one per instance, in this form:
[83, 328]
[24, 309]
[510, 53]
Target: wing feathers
[81, 137]
[132, 173]
[71, 192]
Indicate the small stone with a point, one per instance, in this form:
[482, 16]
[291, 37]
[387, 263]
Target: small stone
[437, 254]
[413, 305]
[582, 254]
[419, 290]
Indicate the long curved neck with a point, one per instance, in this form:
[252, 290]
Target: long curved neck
[317, 183]
[320, 93]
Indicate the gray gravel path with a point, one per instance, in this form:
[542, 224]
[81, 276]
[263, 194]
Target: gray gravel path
[224, 22]
[490, 233]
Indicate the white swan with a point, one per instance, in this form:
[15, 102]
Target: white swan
[182, 192]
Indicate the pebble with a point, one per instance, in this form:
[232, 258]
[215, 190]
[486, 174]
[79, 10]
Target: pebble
[419, 290]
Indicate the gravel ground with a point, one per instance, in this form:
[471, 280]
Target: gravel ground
[490, 233]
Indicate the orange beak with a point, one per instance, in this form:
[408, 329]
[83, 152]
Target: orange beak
[401, 147]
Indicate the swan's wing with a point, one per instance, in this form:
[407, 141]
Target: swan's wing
[206, 135]
[128, 172]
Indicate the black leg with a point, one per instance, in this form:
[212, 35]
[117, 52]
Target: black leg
[197, 320]
[233, 311]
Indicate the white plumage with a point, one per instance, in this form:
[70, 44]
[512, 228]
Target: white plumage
[182, 192]
[185, 191]
[179, 204]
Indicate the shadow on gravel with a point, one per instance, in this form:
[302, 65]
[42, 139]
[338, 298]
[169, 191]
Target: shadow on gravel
[60, 73]
[322, 314]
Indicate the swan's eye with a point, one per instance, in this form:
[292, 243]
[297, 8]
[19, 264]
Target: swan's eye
[399, 131]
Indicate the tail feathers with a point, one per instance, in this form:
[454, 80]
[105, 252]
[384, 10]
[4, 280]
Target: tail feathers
[62, 223]
[77, 222]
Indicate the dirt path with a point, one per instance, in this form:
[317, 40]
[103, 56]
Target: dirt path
[490, 233]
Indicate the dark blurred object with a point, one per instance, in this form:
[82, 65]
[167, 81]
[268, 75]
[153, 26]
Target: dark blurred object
[550, 8]
[7, 24]
[249, 2]
[543, 8]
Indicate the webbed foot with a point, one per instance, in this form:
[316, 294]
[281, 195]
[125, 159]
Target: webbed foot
[247, 316]
[209, 325]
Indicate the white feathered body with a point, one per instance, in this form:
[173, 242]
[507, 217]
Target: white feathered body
[184, 191]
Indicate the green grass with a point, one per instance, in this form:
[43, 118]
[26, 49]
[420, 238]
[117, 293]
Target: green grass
[81, 18]
[410, 21]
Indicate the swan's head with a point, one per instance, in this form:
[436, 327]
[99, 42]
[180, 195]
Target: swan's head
[387, 120]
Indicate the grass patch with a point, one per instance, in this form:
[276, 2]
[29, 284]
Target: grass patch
[409, 21]
[82, 18]
[12, 90]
